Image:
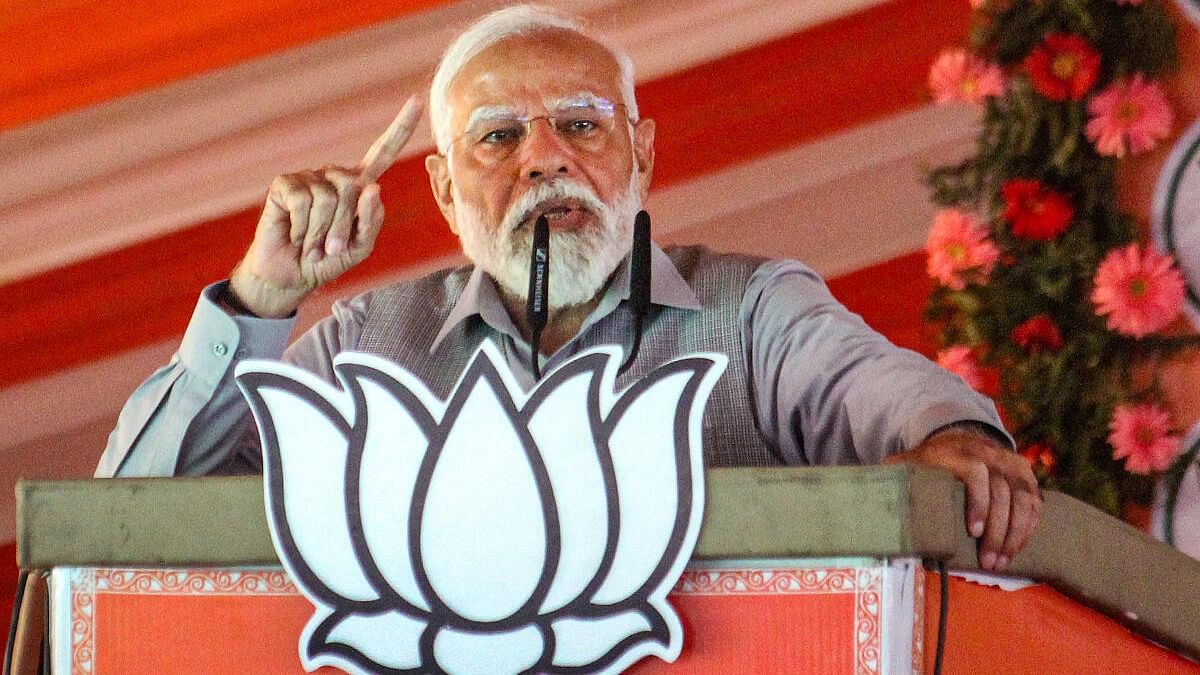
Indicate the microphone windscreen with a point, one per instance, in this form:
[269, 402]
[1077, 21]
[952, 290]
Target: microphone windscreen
[537, 305]
[639, 265]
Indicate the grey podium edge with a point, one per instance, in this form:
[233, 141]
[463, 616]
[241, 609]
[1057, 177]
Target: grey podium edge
[751, 513]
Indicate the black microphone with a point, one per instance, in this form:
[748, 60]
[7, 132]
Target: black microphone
[537, 309]
[639, 283]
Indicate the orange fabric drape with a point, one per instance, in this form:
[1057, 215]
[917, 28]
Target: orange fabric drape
[1034, 631]
[61, 55]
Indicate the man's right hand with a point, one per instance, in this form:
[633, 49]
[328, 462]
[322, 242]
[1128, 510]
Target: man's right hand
[316, 225]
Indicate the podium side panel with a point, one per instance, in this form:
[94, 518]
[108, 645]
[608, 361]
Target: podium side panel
[1036, 630]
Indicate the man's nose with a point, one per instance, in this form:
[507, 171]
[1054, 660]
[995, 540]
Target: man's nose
[544, 153]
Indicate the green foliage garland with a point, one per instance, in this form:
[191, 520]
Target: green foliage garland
[1061, 398]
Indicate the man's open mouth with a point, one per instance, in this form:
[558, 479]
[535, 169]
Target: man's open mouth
[563, 214]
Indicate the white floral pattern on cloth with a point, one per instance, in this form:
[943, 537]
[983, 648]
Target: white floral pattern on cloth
[918, 641]
[864, 584]
[88, 583]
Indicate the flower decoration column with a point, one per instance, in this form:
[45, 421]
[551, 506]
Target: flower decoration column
[1041, 278]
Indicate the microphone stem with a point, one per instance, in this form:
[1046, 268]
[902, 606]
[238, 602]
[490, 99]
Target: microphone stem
[535, 349]
[637, 344]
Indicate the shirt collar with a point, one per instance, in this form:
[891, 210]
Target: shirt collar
[479, 296]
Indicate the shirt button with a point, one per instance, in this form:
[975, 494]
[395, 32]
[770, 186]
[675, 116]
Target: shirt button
[219, 349]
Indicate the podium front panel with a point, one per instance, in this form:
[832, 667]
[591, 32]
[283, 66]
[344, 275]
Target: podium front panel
[860, 616]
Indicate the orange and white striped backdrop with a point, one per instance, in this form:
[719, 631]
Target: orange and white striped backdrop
[137, 139]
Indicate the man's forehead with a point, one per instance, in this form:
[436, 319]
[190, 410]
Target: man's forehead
[539, 67]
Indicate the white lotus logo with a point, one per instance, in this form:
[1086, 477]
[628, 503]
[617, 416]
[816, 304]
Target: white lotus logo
[496, 532]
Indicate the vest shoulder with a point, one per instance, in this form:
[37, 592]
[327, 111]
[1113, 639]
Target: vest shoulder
[694, 259]
[719, 280]
[443, 285]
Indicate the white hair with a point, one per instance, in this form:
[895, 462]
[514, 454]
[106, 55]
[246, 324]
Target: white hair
[501, 24]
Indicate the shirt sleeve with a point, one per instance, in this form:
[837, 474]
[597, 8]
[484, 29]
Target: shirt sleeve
[830, 390]
[189, 417]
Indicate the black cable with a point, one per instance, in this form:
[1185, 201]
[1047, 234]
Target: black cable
[12, 627]
[943, 616]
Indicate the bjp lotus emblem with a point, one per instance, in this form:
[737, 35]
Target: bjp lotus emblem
[495, 532]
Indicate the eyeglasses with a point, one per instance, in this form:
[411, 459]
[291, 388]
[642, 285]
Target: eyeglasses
[585, 127]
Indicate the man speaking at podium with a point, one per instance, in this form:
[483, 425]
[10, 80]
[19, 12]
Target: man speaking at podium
[534, 116]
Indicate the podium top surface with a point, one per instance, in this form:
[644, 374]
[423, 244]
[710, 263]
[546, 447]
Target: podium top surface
[751, 513]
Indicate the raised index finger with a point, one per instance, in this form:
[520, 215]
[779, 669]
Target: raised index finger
[384, 151]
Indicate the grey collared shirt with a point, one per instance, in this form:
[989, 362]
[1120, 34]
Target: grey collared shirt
[865, 399]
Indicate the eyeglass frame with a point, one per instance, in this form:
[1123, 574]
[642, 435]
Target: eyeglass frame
[526, 122]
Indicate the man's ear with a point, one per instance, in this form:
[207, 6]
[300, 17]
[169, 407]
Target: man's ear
[643, 154]
[438, 168]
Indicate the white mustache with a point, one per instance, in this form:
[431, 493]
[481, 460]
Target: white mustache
[520, 211]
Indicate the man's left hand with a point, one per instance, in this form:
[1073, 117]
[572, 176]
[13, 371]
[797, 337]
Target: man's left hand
[1003, 499]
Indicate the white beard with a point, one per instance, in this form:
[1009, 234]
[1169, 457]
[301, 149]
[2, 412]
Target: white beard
[581, 261]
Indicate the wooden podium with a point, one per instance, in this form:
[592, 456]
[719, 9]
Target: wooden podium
[797, 571]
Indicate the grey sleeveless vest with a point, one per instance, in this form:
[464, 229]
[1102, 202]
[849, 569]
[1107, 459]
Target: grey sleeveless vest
[402, 321]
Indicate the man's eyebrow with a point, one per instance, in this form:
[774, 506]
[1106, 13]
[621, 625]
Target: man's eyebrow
[583, 99]
[491, 112]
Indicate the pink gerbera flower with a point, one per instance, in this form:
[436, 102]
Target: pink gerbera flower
[961, 361]
[1139, 291]
[1141, 435]
[1128, 117]
[959, 249]
[957, 75]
